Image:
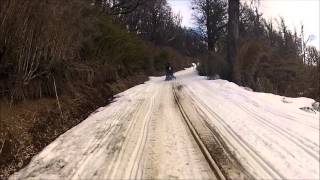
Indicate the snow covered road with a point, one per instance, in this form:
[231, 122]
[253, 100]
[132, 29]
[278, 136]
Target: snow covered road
[142, 135]
[269, 135]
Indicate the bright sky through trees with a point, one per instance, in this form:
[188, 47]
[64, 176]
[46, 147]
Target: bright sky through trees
[294, 12]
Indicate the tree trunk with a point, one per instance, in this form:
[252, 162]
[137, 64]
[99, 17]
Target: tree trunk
[233, 36]
[209, 28]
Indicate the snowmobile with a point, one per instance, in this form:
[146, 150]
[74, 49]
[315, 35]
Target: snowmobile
[170, 76]
[169, 73]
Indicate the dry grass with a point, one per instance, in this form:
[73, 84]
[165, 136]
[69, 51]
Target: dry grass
[27, 127]
[15, 139]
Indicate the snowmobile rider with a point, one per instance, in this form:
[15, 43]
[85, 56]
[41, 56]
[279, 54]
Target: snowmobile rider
[168, 69]
[169, 72]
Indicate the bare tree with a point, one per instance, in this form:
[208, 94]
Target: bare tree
[34, 35]
[312, 56]
[210, 16]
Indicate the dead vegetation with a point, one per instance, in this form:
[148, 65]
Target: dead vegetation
[59, 61]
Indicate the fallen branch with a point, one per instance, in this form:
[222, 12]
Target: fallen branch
[57, 97]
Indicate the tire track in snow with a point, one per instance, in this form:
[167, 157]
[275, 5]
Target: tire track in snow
[290, 118]
[250, 112]
[226, 160]
[102, 138]
[267, 166]
[196, 136]
[310, 151]
[137, 166]
[300, 142]
[141, 116]
[117, 117]
[114, 143]
[118, 154]
[172, 152]
[227, 91]
[262, 121]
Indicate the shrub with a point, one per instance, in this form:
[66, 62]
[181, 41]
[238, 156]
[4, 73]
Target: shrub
[214, 65]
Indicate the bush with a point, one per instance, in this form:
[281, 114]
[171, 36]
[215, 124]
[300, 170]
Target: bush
[253, 59]
[264, 69]
[214, 65]
[161, 59]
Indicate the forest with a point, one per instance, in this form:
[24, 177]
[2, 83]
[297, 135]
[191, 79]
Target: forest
[270, 57]
[61, 60]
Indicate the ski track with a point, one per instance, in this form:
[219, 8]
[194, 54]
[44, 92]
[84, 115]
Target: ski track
[142, 135]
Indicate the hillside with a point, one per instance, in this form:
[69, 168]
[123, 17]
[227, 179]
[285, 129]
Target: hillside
[54, 71]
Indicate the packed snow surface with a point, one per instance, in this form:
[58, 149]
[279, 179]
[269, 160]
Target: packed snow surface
[269, 134]
[139, 136]
[142, 135]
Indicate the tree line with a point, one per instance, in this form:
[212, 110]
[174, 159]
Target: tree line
[249, 50]
[61, 60]
[38, 38]
[43, 41]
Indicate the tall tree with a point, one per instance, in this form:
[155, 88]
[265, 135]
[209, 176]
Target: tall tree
[211, 16]
[233, 36]
[251, 21]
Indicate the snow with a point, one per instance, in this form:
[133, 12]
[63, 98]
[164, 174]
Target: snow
[272, 138]
[141, 135]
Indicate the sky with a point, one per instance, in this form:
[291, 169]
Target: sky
[295, 13]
